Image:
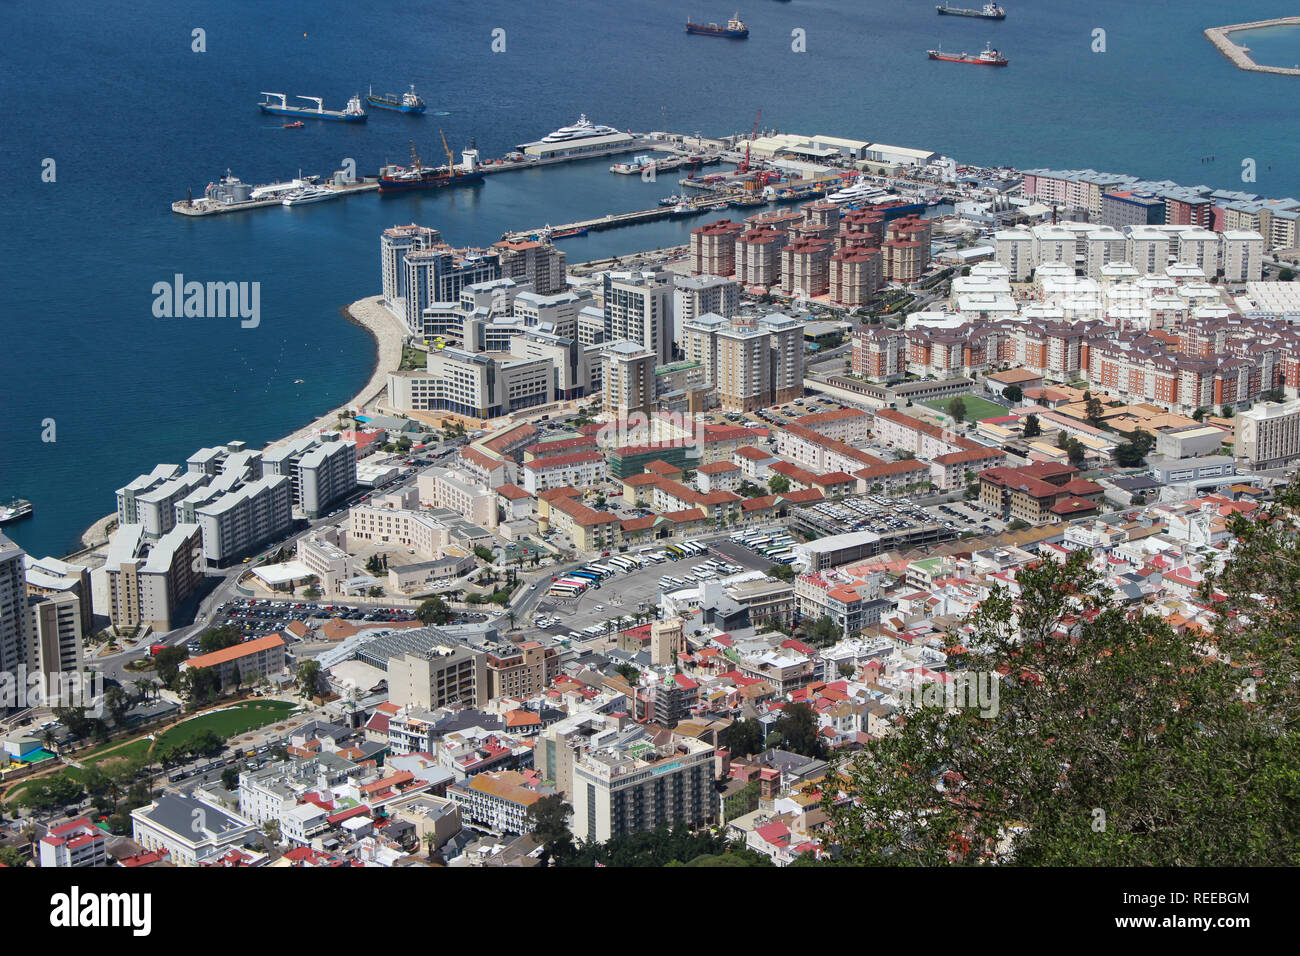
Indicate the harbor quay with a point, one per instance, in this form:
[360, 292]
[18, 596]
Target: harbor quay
[1221, 37]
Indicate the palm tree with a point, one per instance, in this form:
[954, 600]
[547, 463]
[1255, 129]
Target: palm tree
[430, 844]
[49, 741]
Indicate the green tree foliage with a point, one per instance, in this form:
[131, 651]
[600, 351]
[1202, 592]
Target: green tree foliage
[308, 678]
[434, 611]
[778, 484]
[548, 820]
[1117, 740]
[1032, 427]
[824, 632]
[167, 663]
[796, 730]
[219, 638]
[782, 572]
[659, 847]
[957, 409]
[1013, 393]
[743, 737]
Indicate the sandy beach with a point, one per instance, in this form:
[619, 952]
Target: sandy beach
[388, 333]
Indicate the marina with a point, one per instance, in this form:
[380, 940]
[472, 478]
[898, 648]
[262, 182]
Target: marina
[1240, 56]
[232, 195]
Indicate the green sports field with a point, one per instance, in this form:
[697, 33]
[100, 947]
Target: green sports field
[976, 408]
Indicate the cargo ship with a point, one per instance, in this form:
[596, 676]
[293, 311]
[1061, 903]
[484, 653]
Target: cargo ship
[16, 510]
[734, 30]
[408, 102]
[988, 57]
[395, 179]
[352, 114]
[990, 11]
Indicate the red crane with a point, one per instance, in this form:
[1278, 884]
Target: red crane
[744, 163]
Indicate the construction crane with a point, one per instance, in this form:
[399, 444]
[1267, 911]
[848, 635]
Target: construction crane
[451, 161]
[744, 163]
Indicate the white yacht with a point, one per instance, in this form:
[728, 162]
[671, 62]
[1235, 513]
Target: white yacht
[583, 129]
[862, 191]
[310, 194]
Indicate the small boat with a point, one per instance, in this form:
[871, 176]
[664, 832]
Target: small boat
[16, 510]
[566, 233]
[296, 124]
[990, 11]
[670, 200]
[734, 30]
[988, 57]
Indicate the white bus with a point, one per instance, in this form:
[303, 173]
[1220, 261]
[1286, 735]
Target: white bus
[625, 563]
[603, 569]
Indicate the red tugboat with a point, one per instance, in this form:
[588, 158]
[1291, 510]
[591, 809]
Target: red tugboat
[989, 57]
[296, 124]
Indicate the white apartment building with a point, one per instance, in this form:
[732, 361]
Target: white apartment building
[322, 471]
[240, 521]
[147, 584]
[473, 384]
[453, 490]
[627, 379]
[638, 307]
[627, 787]
[583, 469]
[1268, 435]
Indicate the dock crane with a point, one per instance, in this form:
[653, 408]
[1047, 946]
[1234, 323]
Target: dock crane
[744, 163]
[451, 161]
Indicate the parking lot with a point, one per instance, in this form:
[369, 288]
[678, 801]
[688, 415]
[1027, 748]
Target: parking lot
[967, 516]
[259, 617]
[626, 593]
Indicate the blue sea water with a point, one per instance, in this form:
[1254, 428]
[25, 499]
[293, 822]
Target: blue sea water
[132, 117]
[1271, 46]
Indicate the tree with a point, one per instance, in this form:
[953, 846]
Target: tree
[434, 611]
[219, 638]
[797, 730]
[1115, 740]
[778, 484]
[628, 673]
[782, 572]
[167, 662]
[548, 820]
[1094, 410]
[230, 778]
[1013, 393]
[375, 592]
[1228, 411]
[824, 632]
[1032, 428]
[117, 702]
[483, 554]
[308, 678]
[957, 409]
[743, 737]
[1200, 413]
[1017, 524]
[1286, 275]
[13, 857]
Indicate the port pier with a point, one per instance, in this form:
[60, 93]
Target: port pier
[1240, 55]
